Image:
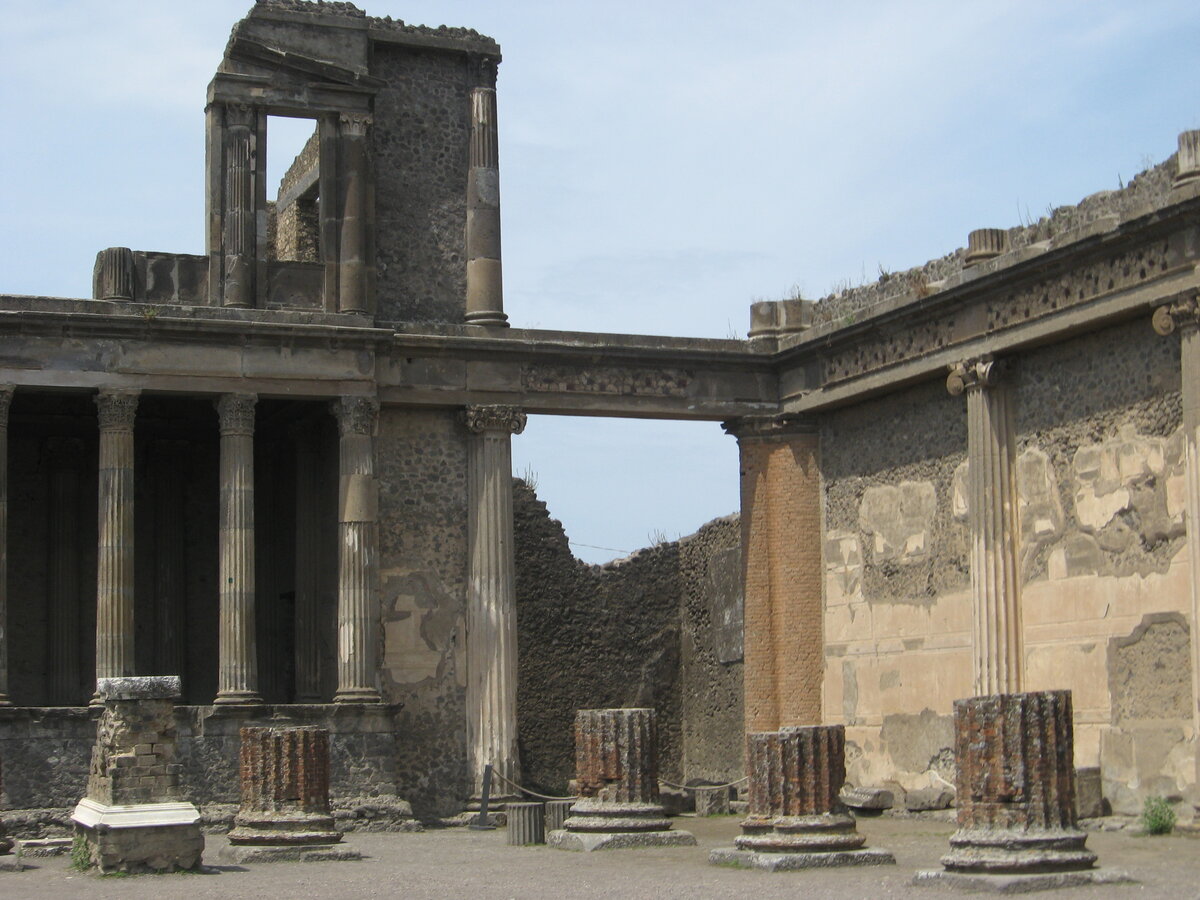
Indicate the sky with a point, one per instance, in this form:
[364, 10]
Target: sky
[663, 165]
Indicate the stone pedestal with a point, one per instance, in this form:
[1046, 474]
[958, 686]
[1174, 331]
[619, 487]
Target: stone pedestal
[1016, 796]
[133, 818]
[796, 819]
[285, 812]
[616, 766]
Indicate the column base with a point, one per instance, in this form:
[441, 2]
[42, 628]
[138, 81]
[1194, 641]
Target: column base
[1013, 852]
[493, 317]
[358, 695]
[238, 698]
[240, 854]
[621, 840]
[785, 862]
[975, 882]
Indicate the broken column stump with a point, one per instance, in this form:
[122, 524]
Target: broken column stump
[526, 824]
[796, 819]
[1016, 797]
[134, 817]
[616, 765]
[285, 812]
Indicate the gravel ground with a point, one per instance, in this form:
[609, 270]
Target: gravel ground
[462, 863]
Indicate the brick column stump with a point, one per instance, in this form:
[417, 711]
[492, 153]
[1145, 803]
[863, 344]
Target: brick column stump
[285, 812]
[134, 817]
[616, 765]
[795, 819]
[1015, 757]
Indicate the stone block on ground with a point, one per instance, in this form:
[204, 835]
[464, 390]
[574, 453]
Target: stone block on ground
[928, 798]
[712, 802]
[1089, 793]
[868, 800]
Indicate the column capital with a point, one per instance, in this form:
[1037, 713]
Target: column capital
[355, 124]
[769, 428]
[482, 70]
[1183, 313]
[480, 419]
[236, 412]
[116, 409]
[239, 115]
[974, 374]
[356, 415]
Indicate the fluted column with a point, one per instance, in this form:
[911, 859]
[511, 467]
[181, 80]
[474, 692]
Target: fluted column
[1183, 316]
[352, 245]
[358, 552]
[994, 523]
[114, 563]
[238, 238]
[491, 593]
[62, 589]
[485, 283]
[308, 557]
[6, 395]
[237, 677]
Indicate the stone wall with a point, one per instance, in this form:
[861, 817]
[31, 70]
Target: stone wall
[422, 465]
[635, 632]
[420, 140]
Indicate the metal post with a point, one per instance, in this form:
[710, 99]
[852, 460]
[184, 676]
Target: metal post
[481, 824]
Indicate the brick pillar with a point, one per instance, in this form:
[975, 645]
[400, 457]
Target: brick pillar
[285, 788]
[134, 817]
[1016, 786]
[781, 563]
[616, 767]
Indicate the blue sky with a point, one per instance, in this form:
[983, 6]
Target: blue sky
[663, 164]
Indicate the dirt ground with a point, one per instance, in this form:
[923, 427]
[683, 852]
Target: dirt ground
[462, 863]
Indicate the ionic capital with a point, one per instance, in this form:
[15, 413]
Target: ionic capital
[974, 374]
[1183, 312]
[116, 409]
[356, 415]
[765, 428]
[479, 419]
[236, 412]
[355, 124]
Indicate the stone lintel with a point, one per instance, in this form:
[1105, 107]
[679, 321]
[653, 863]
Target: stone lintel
[141, 687]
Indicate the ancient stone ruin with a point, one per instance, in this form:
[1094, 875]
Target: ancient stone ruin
[616, 759]
[796, 819]
[285, 812]
[134, 817]
[1017, 826]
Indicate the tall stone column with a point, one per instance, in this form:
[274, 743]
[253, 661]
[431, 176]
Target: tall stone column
[114, 563]
[491, 593]
[237, 669]
[352, 245]
[795, 818]
[239, 235]
[781, 565]
[62, 589]
[358, 555]
[6, 395]
[1183, 316]
[994, 523]
[308, 558]
[485, 284]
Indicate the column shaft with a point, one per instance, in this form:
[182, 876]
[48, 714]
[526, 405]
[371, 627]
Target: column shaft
[308, 556]
[358, 558]
[491, 594]
[1189, 362]
[237, 679]
[781, 553]
[63, 576]
[170, 584]
[352, 244]
[6, 394]
[485, 284]
[239, 230]
[995, 527]
[114, 564]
